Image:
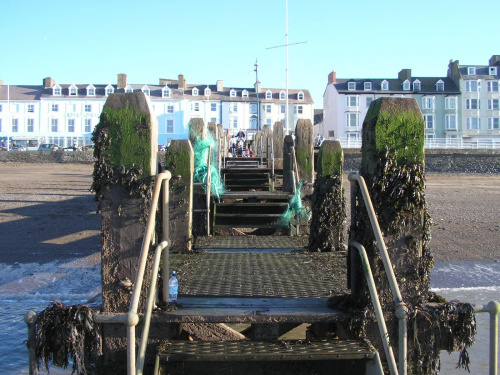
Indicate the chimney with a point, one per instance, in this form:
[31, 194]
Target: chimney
[1, 82]
[48, 83]
[257, 87]
[405, 74]
[495, 60]
[332, 77]
[182, 82]
[122, 81]
[165, 81]
[220, 85]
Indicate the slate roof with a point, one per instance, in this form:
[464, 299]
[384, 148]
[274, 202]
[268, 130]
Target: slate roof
[482, 71]
[318, 116]
[22, 92]
[428, 86]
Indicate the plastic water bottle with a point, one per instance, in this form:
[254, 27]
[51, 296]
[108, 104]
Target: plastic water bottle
[173, 286]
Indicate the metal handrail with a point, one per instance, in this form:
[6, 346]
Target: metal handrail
[493, 308]
[209, 185]
[401, 310]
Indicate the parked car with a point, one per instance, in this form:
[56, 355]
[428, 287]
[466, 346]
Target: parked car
[48, 147]
[19, 148]
[68, 149]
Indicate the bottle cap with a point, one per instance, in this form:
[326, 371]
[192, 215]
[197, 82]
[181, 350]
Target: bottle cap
[174, 273]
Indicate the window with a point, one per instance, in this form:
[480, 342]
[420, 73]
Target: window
[298, 109]
[267, 108]
[429, 121]
[369, 100]
[74, 107]
[406, 85]
[472, 86]
[195, 107]
[428, 102]
[195, 92]
[269, 95]
[352, 120]
[471, 70]
[55, 107]
[109, 90]
[451, 122]
[56, 90]
[233, 121]
[352, 100]
[493, 103]
[88, 108]
[169, 126]
[473, 123]
[90, 90]
[492, 86]
[15, 125]
[253, 122]
[31, 108]
[0, 108]
[145, 89]
[367, 86]
[73, 91]
[165, 92]
[170, 108]
[282, 95]
[129, 89]
[71, 125]
[213, 119]
[0, 124]
[440, 85]
[253, 108]
[300, 96]
[384, 86]
[213, 107]
[282, 108]
[232, 93]
[417, 86]
[234, 107]
[493, 123]
[88, 125]
[472, 104]
[31, 125]
[54, 125]
[268, 122]
[244, 94]
[16, 106]
[450, 102]
[208, 92]
[493, 70]
[351, 85]
[430, 136]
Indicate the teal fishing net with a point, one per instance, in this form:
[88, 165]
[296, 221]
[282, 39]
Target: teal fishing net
[201, 149]
[296, 212]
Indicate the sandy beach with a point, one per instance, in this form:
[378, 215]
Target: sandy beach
[47, 213]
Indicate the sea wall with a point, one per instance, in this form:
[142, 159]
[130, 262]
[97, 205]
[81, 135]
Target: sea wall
[436, 161]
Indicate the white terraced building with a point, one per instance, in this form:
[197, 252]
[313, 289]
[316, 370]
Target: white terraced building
[62, 113]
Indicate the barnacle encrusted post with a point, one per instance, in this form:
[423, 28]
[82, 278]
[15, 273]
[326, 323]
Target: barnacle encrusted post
[126, 143]
[328, 202]
[304, 138]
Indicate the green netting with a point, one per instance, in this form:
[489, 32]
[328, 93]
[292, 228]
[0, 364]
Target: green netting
[201, 149]
[296, 212]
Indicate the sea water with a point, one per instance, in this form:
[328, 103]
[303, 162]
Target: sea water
[25, 287]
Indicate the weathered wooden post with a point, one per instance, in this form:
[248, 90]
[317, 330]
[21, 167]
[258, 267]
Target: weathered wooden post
[305, 150]
[278, 139]
[126, 142]
[180, 162]
[328, 202]
[288, 145]
[197, 128]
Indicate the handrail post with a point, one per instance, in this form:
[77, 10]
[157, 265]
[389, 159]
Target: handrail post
[30, 319]
[209, 184]
[494, 310]
[166, 237]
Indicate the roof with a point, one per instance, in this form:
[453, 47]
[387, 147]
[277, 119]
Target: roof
[318, 116]
[20, 92]
[482, 71]
[428, 86]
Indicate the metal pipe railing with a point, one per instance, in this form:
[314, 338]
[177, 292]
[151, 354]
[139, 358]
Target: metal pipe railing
[493, 308]
[384, 334]
[209, 185]
[401, 310]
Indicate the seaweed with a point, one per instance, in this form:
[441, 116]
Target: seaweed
[65, 333]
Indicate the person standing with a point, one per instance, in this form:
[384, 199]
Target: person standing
[232, 144]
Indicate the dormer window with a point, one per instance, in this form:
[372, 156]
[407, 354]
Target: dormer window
[129, 89]
[145, 89]
[282, 95]
[300, 95]
[384, 86]
[493, 70]
[232, 93]
[244, 94]
[109, 90]
[269, 95]
[471, 70]
[417, 86]
[406, 85]
[367, 86]
[440, 85]
[195, 92]
[165, 92]
[207, 92]
[73, 90]
[56, 90]
[351, 85]
[90, 90]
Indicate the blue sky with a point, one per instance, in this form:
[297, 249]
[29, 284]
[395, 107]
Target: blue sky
[92, 41]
